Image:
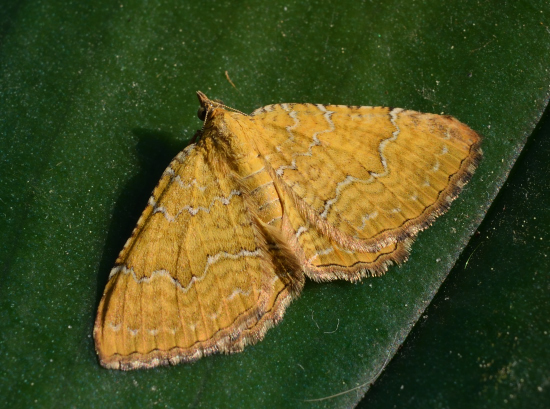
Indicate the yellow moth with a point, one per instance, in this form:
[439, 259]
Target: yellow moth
[261, 201]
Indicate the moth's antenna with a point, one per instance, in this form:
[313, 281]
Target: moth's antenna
[207, 105]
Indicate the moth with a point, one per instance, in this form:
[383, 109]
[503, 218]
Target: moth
[259, 202]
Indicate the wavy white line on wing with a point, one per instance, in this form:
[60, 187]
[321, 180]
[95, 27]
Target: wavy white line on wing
[316, 142]
[194, 210]
[393, 117]
[211, 260]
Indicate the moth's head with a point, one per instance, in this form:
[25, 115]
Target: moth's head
[225, 121]
[207, 106]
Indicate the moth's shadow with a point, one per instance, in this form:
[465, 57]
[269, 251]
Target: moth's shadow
[155, 150]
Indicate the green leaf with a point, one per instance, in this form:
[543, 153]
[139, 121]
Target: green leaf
[95, 100]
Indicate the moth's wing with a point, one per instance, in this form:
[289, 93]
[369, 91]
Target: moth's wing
[197, 275]
[323, 259]
[367, 176]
